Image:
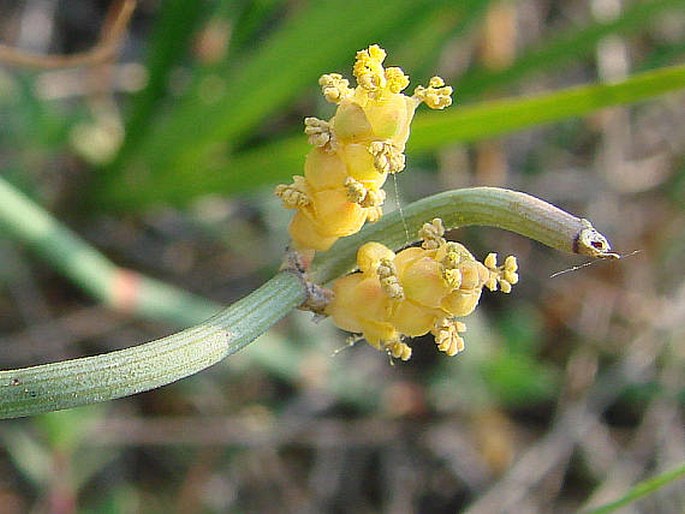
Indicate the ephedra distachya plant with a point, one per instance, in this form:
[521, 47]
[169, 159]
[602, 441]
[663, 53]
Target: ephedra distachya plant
[392, 296]
[348, 260]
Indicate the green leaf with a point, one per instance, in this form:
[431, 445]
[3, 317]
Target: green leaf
[490, 119]
[559, 50]
[641, 490]
[171, 37]
[269, 164]
[315, 40]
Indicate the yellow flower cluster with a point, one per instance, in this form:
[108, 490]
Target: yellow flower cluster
[416, 291]
[355, 150]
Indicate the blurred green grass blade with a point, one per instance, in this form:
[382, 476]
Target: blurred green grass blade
[170, 40]
[489, 119]
[563, 49]
[420, 51]
[278, 161]
[291, 59]
[74, 258]
[250, 17]
[664, 55]
[641, 490]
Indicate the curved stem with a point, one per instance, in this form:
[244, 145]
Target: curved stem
[65, 384]
[119, 288]
[489, 206]
[121, 373]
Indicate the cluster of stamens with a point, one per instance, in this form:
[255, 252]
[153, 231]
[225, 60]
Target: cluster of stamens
[416, 291]
[355, 150]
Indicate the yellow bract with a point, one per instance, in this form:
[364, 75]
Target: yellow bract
[354, 151]
[416, 291]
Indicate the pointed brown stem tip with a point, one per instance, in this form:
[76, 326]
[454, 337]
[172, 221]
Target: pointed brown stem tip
[593, 244]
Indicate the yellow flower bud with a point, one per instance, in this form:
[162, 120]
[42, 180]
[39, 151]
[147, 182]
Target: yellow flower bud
[334, 214]
[390, 117]
[304, 234]
[461, 302]
[324, 170]
[359, 305]
[423, 282]
[412, 320]
[360, 164]
[363, 141]
[416, 291]
[350, 123]
[371, 254]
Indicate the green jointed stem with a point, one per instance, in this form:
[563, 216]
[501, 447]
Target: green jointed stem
[60, 385]
[640, 490]
[86, 267]
[488, 206]
[65, 384]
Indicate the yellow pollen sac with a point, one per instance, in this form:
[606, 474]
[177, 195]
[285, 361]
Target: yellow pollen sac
[319, 133]
[356, 192]
[373, 198]
[334, 87]
[354, 151]
[503, 276]
[398, 350]
[431, 234]
[293, 196]
[368, 68]
[436, 95]
[387, 275]
[396, 79]
[386, 157]
[447, 337]
[416, 291]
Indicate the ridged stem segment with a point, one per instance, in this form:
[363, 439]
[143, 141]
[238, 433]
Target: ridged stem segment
[70, 383]
[488, 206]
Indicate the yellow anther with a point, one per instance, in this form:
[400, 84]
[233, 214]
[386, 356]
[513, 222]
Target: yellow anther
[452, 276]
[353, 152]
[396, 79]
[431, 234]
[293, 196]
[374, 198]
[387, 275]
[334, 87]
[374, 214]
[356, 192]
[436, 95]
[491, 261]
[451, 260]
[436, 82]
[387, 158]
[447, 337]
[502, 277]
[368, 68]
[491, 283]
[319, 133]
[399, 350]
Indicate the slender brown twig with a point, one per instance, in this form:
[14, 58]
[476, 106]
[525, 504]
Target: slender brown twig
[112, 33]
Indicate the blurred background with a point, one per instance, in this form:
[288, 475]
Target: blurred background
[161, 149]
